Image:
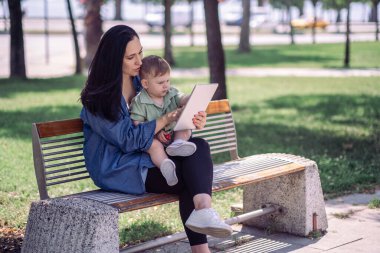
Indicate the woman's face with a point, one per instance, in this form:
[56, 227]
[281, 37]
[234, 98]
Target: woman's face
[132, 57]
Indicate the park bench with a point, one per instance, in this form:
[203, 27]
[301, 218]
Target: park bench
[283, 183]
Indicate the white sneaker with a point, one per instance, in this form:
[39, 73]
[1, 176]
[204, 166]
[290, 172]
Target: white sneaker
[207, 221]
[168, 171]
[181, 148]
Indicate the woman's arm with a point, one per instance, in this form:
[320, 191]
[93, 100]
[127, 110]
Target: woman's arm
[124, 134]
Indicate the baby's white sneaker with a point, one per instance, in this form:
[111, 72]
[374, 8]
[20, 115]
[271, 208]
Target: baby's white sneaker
[167, 168]
[207, 221]
[181, 148]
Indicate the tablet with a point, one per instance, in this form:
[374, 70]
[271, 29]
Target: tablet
[199, 99]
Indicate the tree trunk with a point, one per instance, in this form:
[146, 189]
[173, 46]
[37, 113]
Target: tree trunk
[338, 20]
[375, 4]
[117, 10]
[291, 32]
[168, 52]
[78, 65]
[93, 28]
[215, 51]
[244, 45]
[371, 17]
[17, 58]
[347, 46]
[315, 21]
[191, 31]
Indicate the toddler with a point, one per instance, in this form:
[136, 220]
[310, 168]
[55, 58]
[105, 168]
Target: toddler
[156, 99]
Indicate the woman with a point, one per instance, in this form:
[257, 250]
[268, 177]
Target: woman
[115, 149]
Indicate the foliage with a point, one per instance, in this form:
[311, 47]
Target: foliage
[334, 4]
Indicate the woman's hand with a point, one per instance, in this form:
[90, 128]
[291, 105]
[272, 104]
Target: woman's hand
[199, 120]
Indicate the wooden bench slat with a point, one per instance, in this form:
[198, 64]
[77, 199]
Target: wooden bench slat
[221, 141]
[64, 163]
[70, 144]
[62, 127]
[66, 181]
[213, 117]
[65, 169]
[219, 136]
[63, 151]
[198, 134]
[67, 175]
[226, 126]
[223, 146]
[219, 121]
[219, 106]
[213, 152]
[62, 157]
[55, 140]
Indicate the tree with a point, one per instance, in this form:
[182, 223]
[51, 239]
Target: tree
[314, 2]
[215, 52]
[17, 59]
[191, 32]
[93, 28]
[78, 65]
[375, 4]
[244, 45]
[286, 4]
[168, 51]
[347, 44]
[118, 10]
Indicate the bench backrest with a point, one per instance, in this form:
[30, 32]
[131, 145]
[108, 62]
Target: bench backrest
[58, 145]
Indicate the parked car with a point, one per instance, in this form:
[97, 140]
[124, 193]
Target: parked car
[302, 23]
[235, 18]
[180, 16]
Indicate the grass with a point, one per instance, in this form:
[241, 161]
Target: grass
[374, 203]
[334, 121]
[363, 55]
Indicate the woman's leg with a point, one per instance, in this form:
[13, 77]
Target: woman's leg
[156, 183]
[195, 174]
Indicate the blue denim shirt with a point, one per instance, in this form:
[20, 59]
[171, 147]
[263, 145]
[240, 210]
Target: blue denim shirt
[115, 152]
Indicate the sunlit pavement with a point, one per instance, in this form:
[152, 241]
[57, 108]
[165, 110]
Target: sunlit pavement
[353, 227]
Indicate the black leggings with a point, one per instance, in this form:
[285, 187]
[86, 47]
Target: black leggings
[194, 174]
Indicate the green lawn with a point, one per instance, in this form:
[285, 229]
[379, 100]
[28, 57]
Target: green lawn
[334, 121]
[363, 55]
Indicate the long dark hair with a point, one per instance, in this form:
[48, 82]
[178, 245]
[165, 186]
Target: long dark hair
[103, 89]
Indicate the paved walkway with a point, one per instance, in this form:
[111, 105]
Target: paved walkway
[357, 232]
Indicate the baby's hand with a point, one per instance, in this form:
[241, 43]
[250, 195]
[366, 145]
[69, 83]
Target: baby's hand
[173, 116]
[162, 137]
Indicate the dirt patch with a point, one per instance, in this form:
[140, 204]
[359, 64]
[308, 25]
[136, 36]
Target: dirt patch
[11, 239]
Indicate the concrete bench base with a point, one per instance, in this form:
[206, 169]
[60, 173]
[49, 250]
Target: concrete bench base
[299, 194]
[71, 225]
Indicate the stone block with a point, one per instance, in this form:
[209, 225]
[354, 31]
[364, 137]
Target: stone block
[300, 195]
[71, 225]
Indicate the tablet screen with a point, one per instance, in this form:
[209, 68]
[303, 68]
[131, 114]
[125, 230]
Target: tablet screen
[199, 99]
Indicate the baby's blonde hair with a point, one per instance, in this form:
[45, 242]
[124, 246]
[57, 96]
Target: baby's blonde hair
[153, 66]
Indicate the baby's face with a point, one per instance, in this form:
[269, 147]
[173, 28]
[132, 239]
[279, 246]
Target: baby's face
[158, 86]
